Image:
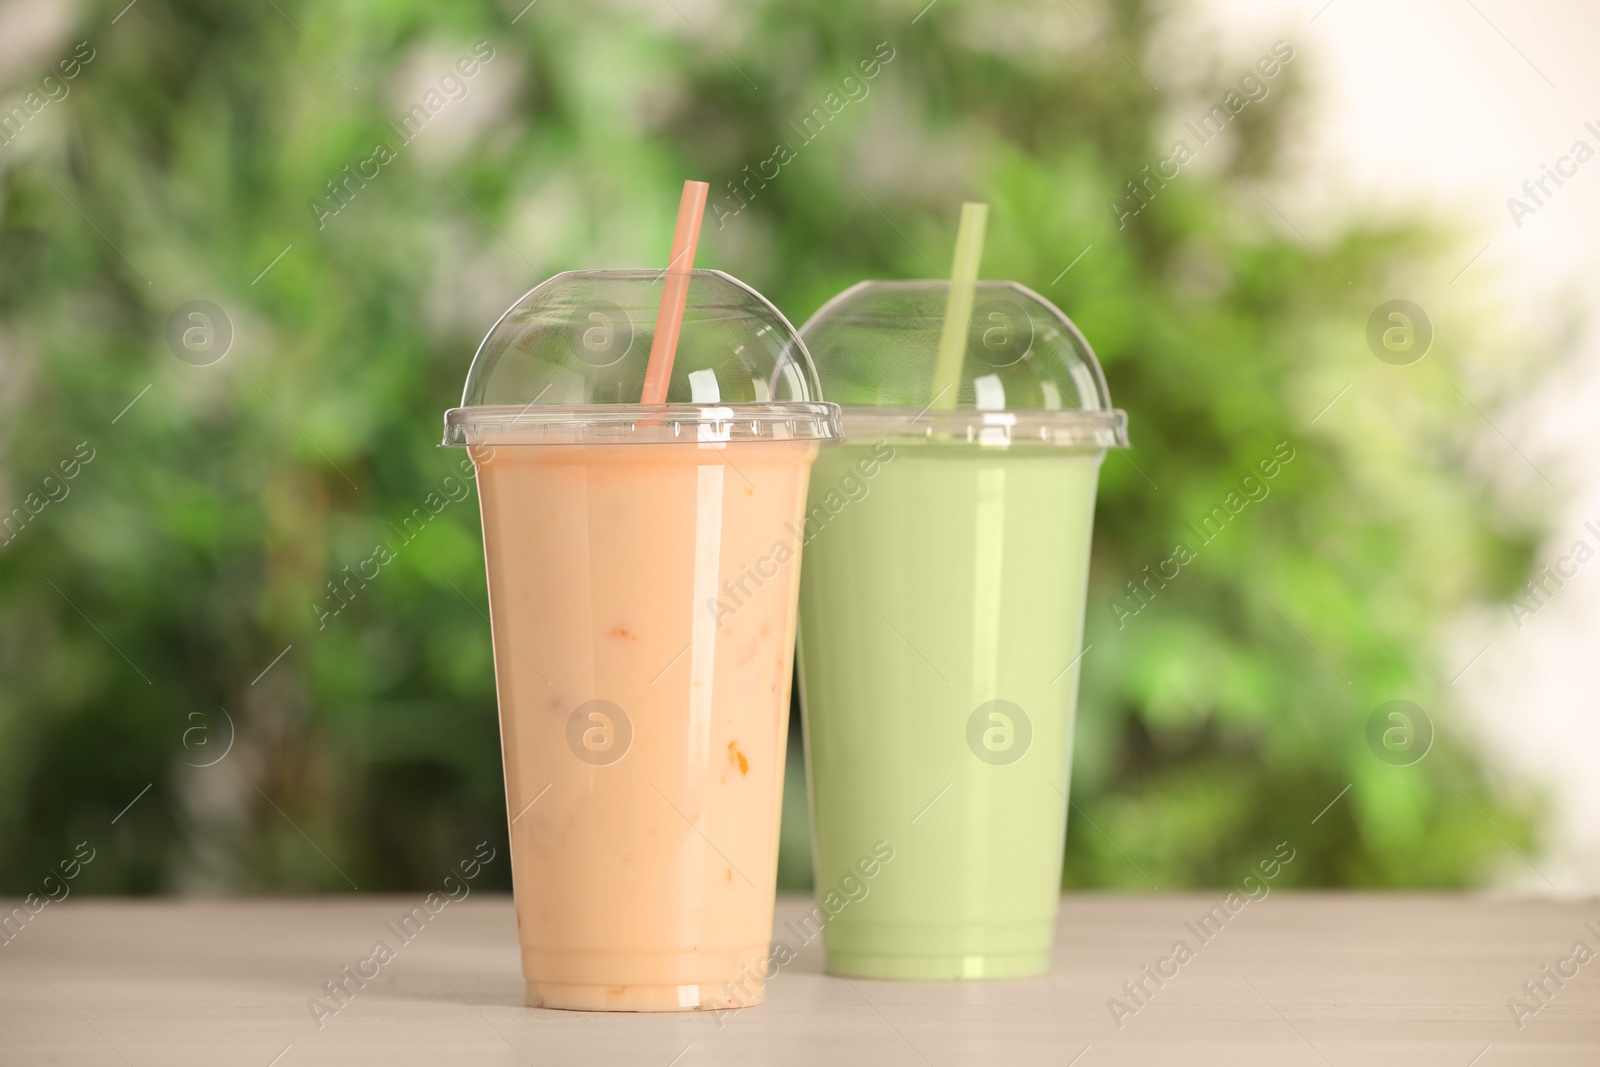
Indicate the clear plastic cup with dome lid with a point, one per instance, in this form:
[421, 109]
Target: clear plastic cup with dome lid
[643, 566]
[941, 620]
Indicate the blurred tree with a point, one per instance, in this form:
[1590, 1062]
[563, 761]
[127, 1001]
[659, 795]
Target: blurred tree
[184, 688]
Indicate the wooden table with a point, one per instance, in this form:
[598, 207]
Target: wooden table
[1310, 978]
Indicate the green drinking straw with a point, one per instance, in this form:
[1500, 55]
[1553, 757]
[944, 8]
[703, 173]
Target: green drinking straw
[958, 306]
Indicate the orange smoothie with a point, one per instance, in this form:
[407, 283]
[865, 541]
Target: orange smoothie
[643, 604]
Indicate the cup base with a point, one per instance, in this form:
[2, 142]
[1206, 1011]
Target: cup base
[569, 997]
[919, 968]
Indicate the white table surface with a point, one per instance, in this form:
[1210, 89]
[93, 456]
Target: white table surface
[1310, 978]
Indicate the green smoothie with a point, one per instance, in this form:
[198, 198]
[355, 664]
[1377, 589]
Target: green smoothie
[941, 617]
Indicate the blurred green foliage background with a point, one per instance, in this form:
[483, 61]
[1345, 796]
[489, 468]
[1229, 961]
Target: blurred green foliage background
[140, 611]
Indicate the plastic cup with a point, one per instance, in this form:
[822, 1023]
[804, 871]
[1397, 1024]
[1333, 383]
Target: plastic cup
[643, 568]
[941, 624]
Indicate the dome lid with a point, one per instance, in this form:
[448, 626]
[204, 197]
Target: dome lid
[1028, 374]
[566, 365]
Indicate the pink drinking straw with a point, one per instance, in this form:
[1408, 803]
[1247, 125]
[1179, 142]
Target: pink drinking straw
[675, 293]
